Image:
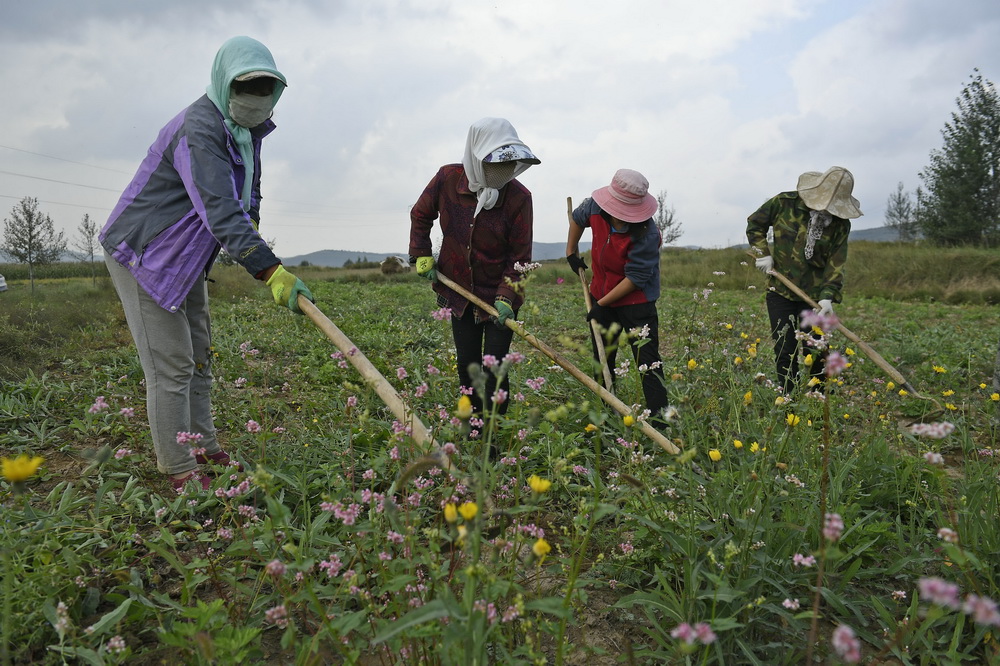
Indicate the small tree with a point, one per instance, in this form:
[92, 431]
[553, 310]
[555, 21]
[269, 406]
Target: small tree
[86, 244]
[666, 220]
[29, 237]
[961, 204]
[900, 214]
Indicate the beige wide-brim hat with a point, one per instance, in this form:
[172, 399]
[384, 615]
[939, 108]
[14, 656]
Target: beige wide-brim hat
[830, 191]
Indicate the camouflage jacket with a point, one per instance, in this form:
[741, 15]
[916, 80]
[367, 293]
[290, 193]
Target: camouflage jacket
[822, 277]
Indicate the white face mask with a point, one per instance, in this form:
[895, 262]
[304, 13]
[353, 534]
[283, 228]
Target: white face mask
[250, 110]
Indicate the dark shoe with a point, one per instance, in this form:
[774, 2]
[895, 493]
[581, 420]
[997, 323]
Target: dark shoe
[180, 483]
[219, 458]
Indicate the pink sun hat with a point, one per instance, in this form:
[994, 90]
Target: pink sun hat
[627, 197]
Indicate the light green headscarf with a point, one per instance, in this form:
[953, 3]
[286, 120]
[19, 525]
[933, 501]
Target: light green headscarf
[236, 57]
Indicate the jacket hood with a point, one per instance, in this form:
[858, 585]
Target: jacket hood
[238, 56]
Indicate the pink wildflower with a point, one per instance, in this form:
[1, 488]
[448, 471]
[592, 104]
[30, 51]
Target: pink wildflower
[441, 314]
[252, 426]
[940, 592]
[833, 527]
[846, 644]
[934, 458]
[99, 405]
[800, 560]
[275, 568]
[121, 453]
[127, 412]
[983, 610]
[938, 430]
[835, 364]
[277, 616]
[947, 535]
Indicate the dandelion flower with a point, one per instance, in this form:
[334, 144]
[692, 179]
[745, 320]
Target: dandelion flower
[538, 484]
[21, 468]
[792, 420]
[995, 397]
[450, 512]
[464, 410]
[748, 397]
[692, 364]
[849, 351]
[541, 548]
[754, 447]
[938, 369]
[629, 420]
[890, 386]
[738, 360]
[715, 455]
[468, 510]
[737, 444]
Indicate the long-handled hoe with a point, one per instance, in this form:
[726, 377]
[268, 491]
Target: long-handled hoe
[595, 328]
[876, 358]
[580, 376]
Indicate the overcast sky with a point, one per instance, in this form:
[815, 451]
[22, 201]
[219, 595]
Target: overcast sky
[720, 103]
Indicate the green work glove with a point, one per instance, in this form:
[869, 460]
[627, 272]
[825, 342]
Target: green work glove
[425, 268]
[286, 288]
[504, 312]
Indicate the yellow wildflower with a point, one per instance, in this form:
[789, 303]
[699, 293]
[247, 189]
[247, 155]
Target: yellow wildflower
[738, 360]
[808, 360]
[848, 351]
[464, 410]
[450, 512]
[744, 336]
[995, 397]
[779, 401]
[676, 376]
[737, 444]
[538, 484]
[590, 427]
[948, 393]
[715, 455]
[541, 548]
[792, 420]
[21, 468]
[950, 406]
[462, 532]
[890, 386]
[748, 397]
[629, 420]
[754, 447]
[938, 369]
[903, 392]
[813, 381]
[468, 510]
[729, 327]
[982, 385]
[692, 364]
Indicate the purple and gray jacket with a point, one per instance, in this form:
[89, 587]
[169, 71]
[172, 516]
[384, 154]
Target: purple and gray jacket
[183, 205]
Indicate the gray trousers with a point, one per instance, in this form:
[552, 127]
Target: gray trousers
[175, 350]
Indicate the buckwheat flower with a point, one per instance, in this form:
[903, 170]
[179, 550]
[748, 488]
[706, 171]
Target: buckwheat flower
[500, 397]
[99, 405]
[541, 548]
[940, 592]
[982, 609]
[21, 468]
[513, 357]
[441, 314]
[252, 426]
[468, 510]
[116, 645]
[948, 535]
[715, 455]
[401, 373]
[127, 412]
[535, 384]
[846, 644]
[934, 458]
[833, 526]
[703, 632]
[277, 616]
[225, 533]
[800, 560]
[275, 568]
[791, 604]
[683, 632]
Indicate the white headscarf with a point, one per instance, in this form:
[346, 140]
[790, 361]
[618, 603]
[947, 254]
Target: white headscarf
[493, 140]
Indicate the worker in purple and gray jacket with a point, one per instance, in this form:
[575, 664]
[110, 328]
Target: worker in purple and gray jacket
[196, 192]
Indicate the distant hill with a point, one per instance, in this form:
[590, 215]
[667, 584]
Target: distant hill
[337, 258]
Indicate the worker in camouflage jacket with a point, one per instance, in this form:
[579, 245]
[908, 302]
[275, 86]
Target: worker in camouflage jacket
[810, 229]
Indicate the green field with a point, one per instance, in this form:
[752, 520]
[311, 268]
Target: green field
[336, 546]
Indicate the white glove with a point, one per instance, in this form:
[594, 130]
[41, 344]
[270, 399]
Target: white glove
[826, 307]
[765, 264]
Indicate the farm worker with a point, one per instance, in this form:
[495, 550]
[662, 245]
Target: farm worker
[626, 282]
[486, 223]
[196, 192]
[810, 226]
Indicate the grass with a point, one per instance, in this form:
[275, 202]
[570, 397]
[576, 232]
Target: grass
[335, 546]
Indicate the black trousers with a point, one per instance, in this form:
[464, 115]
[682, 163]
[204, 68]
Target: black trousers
[654, 388]
[786, 319]
[473, 340]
